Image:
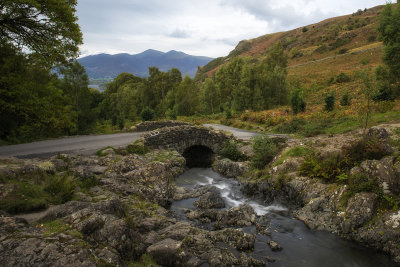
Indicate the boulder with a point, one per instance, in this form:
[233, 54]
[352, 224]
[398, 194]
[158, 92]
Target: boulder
[243, 215]
[360, 209]
[210, 200]
[165, 252]
[231, 169]
[274, 246]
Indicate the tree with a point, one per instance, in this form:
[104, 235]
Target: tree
[369, 91]
[297, 102]
[209, 97]
[186, 97]
[329, 102]
[75, 85]
[47, 28]
[389, 29]
[32, 102]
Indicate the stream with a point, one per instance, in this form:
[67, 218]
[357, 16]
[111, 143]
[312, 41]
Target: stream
[301, 246]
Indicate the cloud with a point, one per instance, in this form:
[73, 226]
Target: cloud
[180, 34]
[208, 27]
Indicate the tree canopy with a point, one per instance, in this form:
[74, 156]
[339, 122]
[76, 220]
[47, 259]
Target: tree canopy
[46, 28]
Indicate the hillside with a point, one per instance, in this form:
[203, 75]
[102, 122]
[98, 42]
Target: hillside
[339, 43]
[109, 66]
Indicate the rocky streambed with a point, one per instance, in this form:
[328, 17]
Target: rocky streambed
[128, 209]
[212, 201]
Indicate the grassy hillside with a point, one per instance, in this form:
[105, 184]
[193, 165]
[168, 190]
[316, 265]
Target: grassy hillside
[324, 58]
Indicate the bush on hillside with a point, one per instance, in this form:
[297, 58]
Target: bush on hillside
[264, 151]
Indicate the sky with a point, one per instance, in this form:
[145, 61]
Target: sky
[197, 27]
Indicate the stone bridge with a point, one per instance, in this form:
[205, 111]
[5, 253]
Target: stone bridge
[197, 144]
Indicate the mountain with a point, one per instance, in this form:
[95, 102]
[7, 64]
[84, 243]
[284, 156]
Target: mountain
[109, 66]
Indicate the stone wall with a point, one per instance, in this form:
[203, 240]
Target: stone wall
[153, 125]
[181, 138]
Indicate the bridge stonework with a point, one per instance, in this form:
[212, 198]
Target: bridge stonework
[181, 138]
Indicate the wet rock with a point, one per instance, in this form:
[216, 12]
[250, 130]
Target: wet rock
[177, 231]
[165, 252]
[235, 238]
[231, 169]
[274, 246]
[210, 200]
[243, 215]
[204, 216]
[250, 261]
[360, 209]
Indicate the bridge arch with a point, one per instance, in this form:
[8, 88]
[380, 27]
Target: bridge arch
[188, 140]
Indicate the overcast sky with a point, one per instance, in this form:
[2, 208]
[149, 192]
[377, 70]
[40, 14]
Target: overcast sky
[197, 27]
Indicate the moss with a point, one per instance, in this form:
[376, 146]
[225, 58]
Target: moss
[51, 227]
[145, 261]
[299, 151]
[101, 153]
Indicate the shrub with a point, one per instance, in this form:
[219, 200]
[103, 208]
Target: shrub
[264, 151]
[60, 189]
[343, 78]
[367, 148]
[328, 169]
[329, 102]
[34, 191]
[147, 114]
[231, 151]
[305, 29]
[137, 148]
[121, 122]
[297, 102]
[345, 101]
[294, 126]
[172, 114]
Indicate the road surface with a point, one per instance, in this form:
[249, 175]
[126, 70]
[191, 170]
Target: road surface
[89, 144]
[83, 145]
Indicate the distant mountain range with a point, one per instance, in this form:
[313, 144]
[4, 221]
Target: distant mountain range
[109, 66]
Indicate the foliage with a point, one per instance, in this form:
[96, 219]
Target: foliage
[187, 97]
[264, 151]
[329, 102]
[389, 28]
[137, 148]
[294, 126]
[298, 151]
[33, 191]
[147, 114]
[360, 183]
[231, 151]
[335, 167]
[297, 102]
[46, 28]
[328, 169]
[345, 100]
[34, 103]
[368, 147]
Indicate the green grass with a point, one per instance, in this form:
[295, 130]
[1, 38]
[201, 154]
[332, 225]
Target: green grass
[145, 261]
[34, 191]
[299, 151]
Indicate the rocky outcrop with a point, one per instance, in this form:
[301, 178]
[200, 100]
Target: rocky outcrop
[333, 207]
[153, 125]
[231, 169]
